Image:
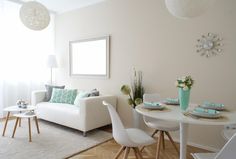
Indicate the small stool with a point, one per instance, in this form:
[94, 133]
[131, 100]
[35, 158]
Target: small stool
[28, 115]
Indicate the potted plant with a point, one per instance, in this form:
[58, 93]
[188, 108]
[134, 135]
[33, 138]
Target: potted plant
[135, 95]
[136, 91]
[184, 84]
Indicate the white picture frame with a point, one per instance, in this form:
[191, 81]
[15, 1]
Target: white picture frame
[90, 57]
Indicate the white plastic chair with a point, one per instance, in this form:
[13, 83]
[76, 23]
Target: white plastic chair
[161, 126]
[128, 138]
[227, 152]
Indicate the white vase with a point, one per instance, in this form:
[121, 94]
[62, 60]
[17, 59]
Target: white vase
[138, 120]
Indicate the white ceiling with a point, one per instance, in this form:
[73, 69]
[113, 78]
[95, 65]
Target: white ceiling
[61, 6]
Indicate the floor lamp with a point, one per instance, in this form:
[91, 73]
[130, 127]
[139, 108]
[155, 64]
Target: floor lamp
[51, 63]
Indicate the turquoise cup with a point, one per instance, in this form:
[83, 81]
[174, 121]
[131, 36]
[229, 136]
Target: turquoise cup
[184, 96]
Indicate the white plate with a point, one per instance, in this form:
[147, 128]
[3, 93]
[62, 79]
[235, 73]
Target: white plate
[159, 107]
[170, 102]
[212, 107]
[206, 115]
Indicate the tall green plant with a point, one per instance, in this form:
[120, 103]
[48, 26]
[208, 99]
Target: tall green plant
[136, 89]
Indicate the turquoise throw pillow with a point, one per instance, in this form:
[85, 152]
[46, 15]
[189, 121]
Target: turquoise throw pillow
[63, 96]
[81, 94]
[49, 89]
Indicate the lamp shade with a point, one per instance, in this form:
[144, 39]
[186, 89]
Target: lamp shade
[187, 8]
[51, 61]
[34, 15]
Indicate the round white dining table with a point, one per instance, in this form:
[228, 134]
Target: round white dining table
[173, 113]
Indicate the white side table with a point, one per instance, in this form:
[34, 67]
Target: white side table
[27, 115]
[15, 108]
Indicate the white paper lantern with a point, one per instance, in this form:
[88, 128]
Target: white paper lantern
[34, 15]
[187, 8]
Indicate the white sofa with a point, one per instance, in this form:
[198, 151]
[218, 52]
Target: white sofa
[89, 114]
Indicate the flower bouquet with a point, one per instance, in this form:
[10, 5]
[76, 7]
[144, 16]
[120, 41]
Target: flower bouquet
[185, 82]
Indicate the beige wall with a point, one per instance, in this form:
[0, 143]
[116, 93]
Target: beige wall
[144, 35]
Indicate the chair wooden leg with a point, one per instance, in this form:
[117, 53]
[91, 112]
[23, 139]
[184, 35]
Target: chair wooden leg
[173, 143]
[30, 139]
[119, 152]
[126, 152]
[159, 145]
[135, 153]
[163, 140]
[156, 131]
[153, 134]
[138, 153]
[14, 131]
[37, 124]
[141, 150]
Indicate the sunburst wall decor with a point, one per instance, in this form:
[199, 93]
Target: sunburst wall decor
[209, 45]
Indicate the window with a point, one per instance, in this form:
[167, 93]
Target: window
[22, 51]
[23, 54]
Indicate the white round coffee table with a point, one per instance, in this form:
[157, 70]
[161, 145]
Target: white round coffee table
[12, 109]
[28, 115]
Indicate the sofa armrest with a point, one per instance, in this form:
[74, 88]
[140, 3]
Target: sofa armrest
[37, 96]
[93, 113]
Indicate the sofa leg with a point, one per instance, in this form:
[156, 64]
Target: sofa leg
[84, 133]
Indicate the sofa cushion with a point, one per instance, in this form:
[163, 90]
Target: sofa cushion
[81, 94]
[55, 107]
[63, 95]
[85, 94]
[61, 113]
[49, 91]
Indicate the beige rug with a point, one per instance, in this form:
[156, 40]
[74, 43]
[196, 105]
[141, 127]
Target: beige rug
[53, 142]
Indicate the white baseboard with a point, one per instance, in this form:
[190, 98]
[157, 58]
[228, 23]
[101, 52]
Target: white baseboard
[209, 148]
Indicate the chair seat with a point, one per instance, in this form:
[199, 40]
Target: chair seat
[204, 155]
[139, 137]
[162, 125]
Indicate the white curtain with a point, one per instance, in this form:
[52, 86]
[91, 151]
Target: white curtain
[23, 54]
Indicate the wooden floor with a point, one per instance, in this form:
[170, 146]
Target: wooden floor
[108, 150]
